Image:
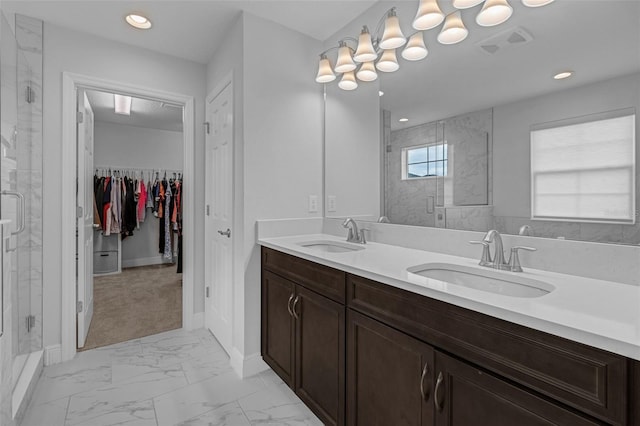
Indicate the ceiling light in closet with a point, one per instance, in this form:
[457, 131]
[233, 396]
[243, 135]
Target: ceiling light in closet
[562, 75]
[122, 104]
[138, 21]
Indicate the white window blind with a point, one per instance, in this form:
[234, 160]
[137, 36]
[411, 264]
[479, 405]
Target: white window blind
[584, 169]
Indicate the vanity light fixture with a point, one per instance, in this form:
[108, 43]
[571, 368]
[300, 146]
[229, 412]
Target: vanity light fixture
[348, 81]
[428, 16]
[466, 4]
[345, 61]
[536, 3]
[370, 46]
[454, 30]
[367, 72]
[392, 38]
[415, 48]
[136, 20]
[325, 73]
[122, 104]
[494, 12]
[365, 51]
[388, 61]
[562, 75]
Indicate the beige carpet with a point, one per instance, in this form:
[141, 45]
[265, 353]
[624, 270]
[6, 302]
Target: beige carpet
[136, 303]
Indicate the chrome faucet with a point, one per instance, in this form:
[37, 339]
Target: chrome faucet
[354, 235]
[498, 260]
[494, 237]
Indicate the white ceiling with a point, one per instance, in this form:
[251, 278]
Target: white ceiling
[144, 112]
[598, 39]
[191, 30]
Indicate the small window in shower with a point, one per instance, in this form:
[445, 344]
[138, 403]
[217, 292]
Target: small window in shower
[424, 161]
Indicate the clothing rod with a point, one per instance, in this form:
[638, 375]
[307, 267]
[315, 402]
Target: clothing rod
[137, 169]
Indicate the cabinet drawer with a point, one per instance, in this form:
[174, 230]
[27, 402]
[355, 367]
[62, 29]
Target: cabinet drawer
[589, 379]
[322, 279]
[105, 262]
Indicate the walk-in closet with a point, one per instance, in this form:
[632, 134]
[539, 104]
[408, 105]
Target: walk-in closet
[132, 175]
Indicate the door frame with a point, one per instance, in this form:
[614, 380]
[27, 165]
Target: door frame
[70, 82]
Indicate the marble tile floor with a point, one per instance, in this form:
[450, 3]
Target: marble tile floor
[173, 378]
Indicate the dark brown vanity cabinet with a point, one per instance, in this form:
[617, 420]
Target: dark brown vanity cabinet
[389, 375]
[303, 338]
[412, 360]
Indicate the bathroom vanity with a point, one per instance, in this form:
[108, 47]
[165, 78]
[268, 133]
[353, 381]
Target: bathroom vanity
[362, 341]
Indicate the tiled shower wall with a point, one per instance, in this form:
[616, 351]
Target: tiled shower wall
[469, 138]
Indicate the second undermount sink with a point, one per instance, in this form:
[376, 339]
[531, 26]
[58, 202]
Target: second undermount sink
[328, 246]
[483, 279]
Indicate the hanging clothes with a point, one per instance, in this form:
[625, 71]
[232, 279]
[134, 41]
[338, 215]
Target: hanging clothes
[142, 201]
[168, 250]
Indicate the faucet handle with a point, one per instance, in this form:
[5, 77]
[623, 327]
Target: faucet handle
[514, 259]
[485, 259]
[363, 240]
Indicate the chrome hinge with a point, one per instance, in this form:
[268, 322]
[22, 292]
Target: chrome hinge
[79, 306]
[80, 117]
[31, 322]
[206, 291]
[79, 211]
[29, 95]
[207, 127]
[208, 210]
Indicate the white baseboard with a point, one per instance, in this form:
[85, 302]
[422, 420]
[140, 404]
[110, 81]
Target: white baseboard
[198, 321]
[143, 261]
[247, 366]
[52, 355]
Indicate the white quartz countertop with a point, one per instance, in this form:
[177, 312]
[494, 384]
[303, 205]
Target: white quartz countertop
[598, 313]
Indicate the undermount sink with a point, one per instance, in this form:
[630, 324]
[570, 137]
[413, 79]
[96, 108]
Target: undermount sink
[326, 246]
[483, 279]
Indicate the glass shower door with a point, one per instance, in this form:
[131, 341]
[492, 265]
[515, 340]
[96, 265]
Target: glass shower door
[21, 202]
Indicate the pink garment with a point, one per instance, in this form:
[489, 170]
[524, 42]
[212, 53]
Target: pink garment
[142, 201]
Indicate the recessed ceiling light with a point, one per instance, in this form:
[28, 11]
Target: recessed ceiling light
[562, 75]
[403, 120]
[380, 93]
[138, 21]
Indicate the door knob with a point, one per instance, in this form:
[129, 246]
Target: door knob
[227, 233]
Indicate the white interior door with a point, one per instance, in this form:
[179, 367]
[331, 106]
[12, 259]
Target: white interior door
[219, 215]
[85, 217]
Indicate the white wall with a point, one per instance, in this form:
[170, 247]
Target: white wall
[282, 141]
[278, 136]
[137, 147]
[124, 146]
[66, 50]
[353, 134]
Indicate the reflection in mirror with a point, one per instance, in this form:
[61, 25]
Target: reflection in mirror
[461, 157]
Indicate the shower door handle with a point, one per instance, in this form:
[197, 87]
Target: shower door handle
[21, 208]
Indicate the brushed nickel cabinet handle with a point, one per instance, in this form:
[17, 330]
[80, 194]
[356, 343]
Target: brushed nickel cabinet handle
[423, 392]
[289, 305]
[435, 392]
[293, 308]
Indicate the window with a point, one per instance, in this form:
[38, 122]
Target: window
[584, 169]
[424, 161]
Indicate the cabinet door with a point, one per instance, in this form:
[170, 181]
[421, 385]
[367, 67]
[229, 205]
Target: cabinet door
[278, 325]
[390, 375]
[320, 354]
[467, 396]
